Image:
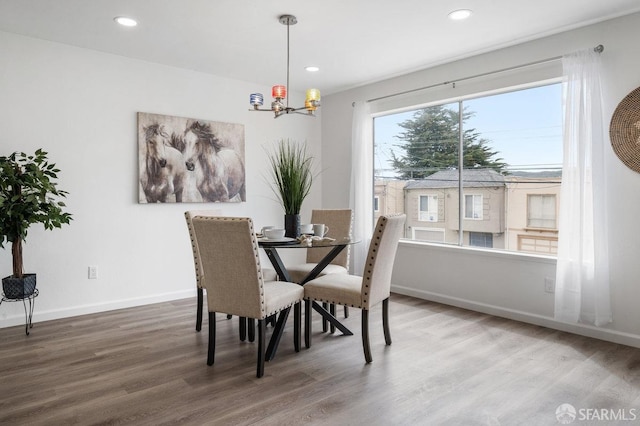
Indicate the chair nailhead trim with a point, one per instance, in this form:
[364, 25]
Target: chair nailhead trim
[334, 302]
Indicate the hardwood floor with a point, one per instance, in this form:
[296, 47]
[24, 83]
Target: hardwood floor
[147, 366]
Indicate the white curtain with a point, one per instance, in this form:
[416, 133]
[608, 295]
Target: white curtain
[582, 276]
[361, 193]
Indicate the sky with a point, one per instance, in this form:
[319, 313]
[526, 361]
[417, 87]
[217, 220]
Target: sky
[525, 134]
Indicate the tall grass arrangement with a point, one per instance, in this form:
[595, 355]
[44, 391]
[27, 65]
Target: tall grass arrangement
[292, 174]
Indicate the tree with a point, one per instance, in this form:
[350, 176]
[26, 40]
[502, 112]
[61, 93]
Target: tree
[28, 195]
[431, 144]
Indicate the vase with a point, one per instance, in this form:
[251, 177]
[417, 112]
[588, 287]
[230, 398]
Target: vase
[19, 288]
[292, 225]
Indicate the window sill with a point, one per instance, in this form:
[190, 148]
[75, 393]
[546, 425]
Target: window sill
[550, 230]
[495, 253]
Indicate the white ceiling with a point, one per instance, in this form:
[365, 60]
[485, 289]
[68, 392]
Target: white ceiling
[352, 41]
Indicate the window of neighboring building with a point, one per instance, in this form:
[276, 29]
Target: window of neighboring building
[428, 208]
[435, 235]
[481, 239]
[376, 206]
[541, 211]
[538, 244]
[473, 207]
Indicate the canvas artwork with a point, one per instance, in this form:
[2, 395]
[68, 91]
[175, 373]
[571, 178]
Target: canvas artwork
[185, 160]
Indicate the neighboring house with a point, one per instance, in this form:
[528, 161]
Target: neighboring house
[532, 212]
[432, 210]
[388, 197]
[517, 212]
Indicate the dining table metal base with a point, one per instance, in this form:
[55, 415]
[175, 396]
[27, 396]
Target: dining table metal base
[283, 274]
[277, 334]
[329, 316]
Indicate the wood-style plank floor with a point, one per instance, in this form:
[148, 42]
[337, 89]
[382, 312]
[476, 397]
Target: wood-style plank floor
[446, 366]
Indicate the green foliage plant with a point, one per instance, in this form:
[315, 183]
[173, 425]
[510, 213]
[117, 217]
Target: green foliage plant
[291, 169]
[431, 143]
[28, 195]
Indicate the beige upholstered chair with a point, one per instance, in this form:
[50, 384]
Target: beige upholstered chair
[268, 274]
[189, 216]
[366, 291]
[228, 253]
[339, 223]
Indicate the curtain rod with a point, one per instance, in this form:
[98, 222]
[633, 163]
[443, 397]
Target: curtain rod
[599, 49]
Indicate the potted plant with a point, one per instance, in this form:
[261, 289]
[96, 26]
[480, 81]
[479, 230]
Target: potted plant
[28, 195]
[292, 174]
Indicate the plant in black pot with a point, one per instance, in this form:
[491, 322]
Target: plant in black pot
[292, 174]
[28, 195]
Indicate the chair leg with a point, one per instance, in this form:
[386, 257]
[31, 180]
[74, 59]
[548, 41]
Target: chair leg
[385, 321]
[251, 329]
[307, 323]
[212, 338]
[243, 328]
[199, 309]
[365, 336]
[261, 348]
[346, 311]
[325, 323]
[297, 325]
[332, 310]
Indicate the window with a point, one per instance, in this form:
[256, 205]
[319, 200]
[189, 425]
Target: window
[502, 151]
[538, 244]
[428, 208]
[435, 235]
[541, 211]
[376, 206]
[473, 207]
[480, 239]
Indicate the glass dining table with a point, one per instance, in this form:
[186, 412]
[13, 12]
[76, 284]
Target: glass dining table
[271, 249]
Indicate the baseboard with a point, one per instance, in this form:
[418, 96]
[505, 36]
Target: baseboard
[40, 316]
[581, 329]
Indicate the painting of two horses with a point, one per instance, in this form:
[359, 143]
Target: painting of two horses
[183, 160]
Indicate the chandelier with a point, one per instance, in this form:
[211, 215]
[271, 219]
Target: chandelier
[279, 92]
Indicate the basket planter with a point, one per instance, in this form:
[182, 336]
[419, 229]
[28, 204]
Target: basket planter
[19, 288]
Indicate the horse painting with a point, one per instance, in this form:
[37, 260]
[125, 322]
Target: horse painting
[219, 171]
[164, 167]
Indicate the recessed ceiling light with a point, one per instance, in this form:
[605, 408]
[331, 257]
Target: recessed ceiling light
[124, 21]
[312, 69]
[460, 14]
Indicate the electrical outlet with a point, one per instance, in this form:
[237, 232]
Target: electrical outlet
[93, 272]
[549, 284]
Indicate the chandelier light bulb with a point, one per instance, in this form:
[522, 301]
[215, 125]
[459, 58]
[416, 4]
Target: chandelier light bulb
[256, 99]
[279, 91]
[310, 105]
[313, 94]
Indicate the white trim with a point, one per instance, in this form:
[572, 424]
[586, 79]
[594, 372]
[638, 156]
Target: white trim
[480, 251]
[53, 314]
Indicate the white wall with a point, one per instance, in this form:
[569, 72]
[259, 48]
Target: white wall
[80, 106]
[498, 284]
